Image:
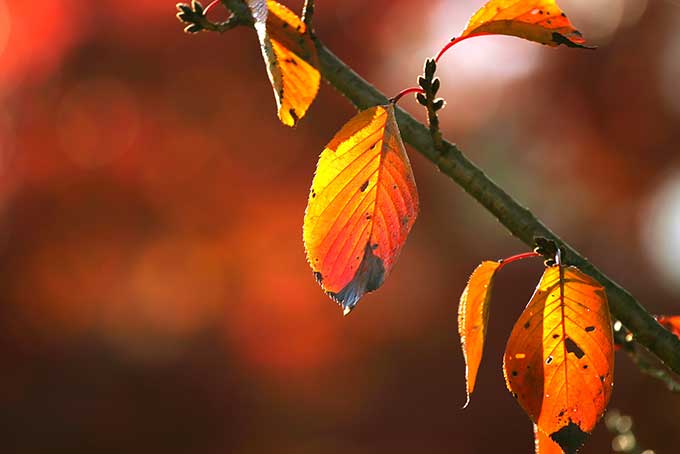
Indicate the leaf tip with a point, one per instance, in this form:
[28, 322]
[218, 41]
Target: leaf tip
[467, 401]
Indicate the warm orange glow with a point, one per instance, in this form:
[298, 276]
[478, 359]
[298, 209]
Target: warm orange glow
[362, 205]
[541, 21]
[565, 380]
[295, 82]
[473, 317]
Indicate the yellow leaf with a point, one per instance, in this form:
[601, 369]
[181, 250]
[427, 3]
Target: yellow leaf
[362, 205]
[294, 80]
[541, 21]
[473, 316]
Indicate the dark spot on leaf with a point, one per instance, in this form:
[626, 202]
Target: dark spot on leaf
[572, 347]
[313, 194]
[549, 21]
[602, 378]
[564, 15]
[285, 25]
[514, 373]
[569, 437]
[364, 186]
[368, 217]
[555, 336]
[585, 366]
[561, 414]
[527, 325]
[590, 329]
[394, 186]
[291, 61]
[549, 360]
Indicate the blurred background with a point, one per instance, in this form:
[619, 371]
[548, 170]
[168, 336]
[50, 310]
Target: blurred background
[154, 294]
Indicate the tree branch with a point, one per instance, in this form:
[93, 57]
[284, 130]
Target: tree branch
[521, 222]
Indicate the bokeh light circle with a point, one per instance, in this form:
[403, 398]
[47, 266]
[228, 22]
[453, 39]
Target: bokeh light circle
[661, 231]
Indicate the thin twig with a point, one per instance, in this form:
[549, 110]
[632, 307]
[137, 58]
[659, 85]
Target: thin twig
[221, 27]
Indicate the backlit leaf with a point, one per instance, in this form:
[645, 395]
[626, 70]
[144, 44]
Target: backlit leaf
[670, 322]
[473, 316]
[559, 360]
[543, 444]
[295, 82]
[362, 205]
[541, 21]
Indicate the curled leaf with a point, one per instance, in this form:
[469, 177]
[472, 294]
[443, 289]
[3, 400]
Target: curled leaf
[541, 21]
[294, 80]
[473, 316]
[362, 205]
[559, 360]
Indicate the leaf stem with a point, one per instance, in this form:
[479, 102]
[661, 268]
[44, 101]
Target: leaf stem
[452, 43]
[209, 7]
[517, 257]
[395, 99]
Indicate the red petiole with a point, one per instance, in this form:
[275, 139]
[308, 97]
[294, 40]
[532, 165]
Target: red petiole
[453, 42]
[405, 92]
[207, 8]
[515, 258]
[448, 46]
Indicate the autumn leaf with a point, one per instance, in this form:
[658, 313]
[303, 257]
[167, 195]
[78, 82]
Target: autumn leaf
[541, 21]
[473, 316]
[670, 322]
[295, 82]
[543, 444]
[362, 205]
[559, 360]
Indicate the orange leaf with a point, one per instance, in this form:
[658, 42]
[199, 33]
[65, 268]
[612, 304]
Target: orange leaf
[559, 360]
[473, 316]
[362, 205]
[670, 322]
[295, 82]
[543, 444]
[541, 21]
